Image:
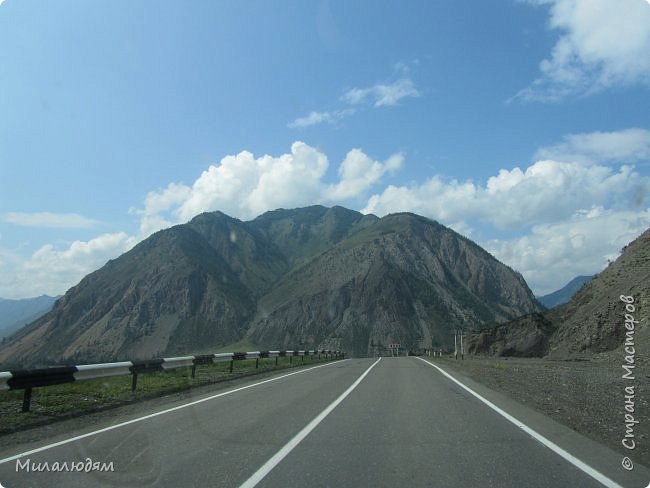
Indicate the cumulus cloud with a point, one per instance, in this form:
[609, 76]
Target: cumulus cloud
[552, 254]
[629, 145]
[565, 214]
[245, 186]
[603, 43]
[513, 199]
[154, 216]
[48, 219]
[358, 172]
[240, 185]
[51, 270]
[382, 94]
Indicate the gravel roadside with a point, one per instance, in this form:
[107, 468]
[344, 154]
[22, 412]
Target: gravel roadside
[587, 396]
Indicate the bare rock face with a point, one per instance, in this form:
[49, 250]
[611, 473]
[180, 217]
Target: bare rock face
[591, 323]
[525, 336]
[303, 278]
[403, 280]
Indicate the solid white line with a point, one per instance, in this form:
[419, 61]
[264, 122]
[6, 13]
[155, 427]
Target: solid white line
[289, 446]
[162, 412]
[584, 467]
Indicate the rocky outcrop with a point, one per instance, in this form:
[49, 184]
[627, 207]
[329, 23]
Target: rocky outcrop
[525, 336]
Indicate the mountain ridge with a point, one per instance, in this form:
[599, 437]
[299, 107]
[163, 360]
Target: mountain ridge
[289, 278]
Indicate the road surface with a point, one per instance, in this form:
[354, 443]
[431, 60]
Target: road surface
[353, 423]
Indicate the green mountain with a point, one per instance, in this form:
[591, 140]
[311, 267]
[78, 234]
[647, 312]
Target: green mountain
[305, 278]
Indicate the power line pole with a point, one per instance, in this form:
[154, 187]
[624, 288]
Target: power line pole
[459, 346]
[462, 349]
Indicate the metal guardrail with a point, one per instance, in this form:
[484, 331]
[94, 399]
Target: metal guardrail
[28, 379]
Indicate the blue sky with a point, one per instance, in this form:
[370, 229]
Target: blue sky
[521, 124]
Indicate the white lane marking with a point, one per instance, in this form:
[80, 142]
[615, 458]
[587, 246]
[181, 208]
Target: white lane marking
[584, 467]
[289, 446]
[156, 414]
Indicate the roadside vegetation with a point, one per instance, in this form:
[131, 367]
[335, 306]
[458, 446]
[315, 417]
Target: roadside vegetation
[68, 400]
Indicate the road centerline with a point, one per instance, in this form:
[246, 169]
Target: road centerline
[581, 465]
[268, 466]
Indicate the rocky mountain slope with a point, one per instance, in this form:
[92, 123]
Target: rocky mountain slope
[306, 278]
[404, 280]
[592, 322]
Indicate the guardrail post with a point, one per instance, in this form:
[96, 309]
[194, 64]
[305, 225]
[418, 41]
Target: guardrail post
[276, 360]
[291, 359]
[27, 399]
[193, 371]
[134, 381]
[231, 363]
[257, 362]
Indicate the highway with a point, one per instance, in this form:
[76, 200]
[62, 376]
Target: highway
[352, 423]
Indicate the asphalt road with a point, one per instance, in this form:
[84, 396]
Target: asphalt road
[354, 423]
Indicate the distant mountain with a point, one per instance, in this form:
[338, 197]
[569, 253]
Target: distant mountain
[14, 313]
[304, 278]
[565, 293]
[592, 322]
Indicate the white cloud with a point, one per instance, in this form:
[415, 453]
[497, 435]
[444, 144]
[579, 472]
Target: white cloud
[382, 94]
[315, 118]
[515, 199]
[52, 271]
[604, 43]
[240, 185]
[570, 212]
[154, 216]
[48, 219]
[627, 145]
[553, 254]
[245, 186]
[358, 172]
[378, 95]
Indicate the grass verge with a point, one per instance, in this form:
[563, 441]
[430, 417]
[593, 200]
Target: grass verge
[53, 403]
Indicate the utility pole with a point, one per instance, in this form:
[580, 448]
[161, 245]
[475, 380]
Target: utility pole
[459, 346]
[462, 349]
